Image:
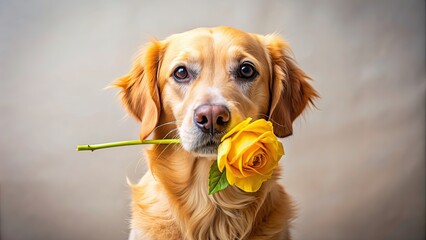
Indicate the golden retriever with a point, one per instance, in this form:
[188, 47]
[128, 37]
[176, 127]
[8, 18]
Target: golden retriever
[195, 86]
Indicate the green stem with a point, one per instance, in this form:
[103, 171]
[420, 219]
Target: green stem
[125, 143]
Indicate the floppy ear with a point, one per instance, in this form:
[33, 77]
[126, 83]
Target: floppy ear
[139, 91]
[290, 90]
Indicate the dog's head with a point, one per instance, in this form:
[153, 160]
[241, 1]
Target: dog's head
[207, 80]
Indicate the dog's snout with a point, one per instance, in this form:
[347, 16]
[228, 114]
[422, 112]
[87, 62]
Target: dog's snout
[212, 118]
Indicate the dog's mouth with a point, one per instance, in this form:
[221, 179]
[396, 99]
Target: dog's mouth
[207, 145]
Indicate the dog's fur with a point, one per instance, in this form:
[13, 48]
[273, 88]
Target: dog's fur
[171, 201]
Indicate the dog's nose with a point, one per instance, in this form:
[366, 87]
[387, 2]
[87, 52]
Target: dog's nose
[212, 118]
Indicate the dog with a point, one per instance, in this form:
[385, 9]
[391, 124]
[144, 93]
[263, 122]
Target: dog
[195, 86]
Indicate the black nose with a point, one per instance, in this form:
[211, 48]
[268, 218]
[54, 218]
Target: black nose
[212, 118]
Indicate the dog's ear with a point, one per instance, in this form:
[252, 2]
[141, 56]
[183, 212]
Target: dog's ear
[289, 87]
[139, 90]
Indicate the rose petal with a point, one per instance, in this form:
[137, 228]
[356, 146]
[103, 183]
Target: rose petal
[250, 184]
[265, 171]
[244, 142]
[243, 147]
[259, 126]
[263, 160]
[230, 176]
[252, 154]
[237, 128]
[280, 148]
[235, 170]
[222, 153]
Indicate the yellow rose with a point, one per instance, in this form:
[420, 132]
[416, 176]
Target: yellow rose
[249, 153]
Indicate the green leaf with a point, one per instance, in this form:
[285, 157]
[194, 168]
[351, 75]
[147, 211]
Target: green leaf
[217, 179]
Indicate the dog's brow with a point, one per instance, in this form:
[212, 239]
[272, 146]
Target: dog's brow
[238, 52]
[187, 56]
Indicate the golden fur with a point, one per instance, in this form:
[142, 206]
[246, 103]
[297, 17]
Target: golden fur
[171, 201]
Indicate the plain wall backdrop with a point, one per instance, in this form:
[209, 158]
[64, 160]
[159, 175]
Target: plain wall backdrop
[355, 166]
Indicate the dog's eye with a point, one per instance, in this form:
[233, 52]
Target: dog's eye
[181, 74]
[247, 71]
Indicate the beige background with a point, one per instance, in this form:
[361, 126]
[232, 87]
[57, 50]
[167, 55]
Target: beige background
[355, 166]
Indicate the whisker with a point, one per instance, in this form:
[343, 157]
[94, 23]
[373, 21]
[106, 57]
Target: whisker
[167, 123]
[270, 119]
[262, 115]
[139, 161]
[165, 136]
[235, 103]
[168, 145]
